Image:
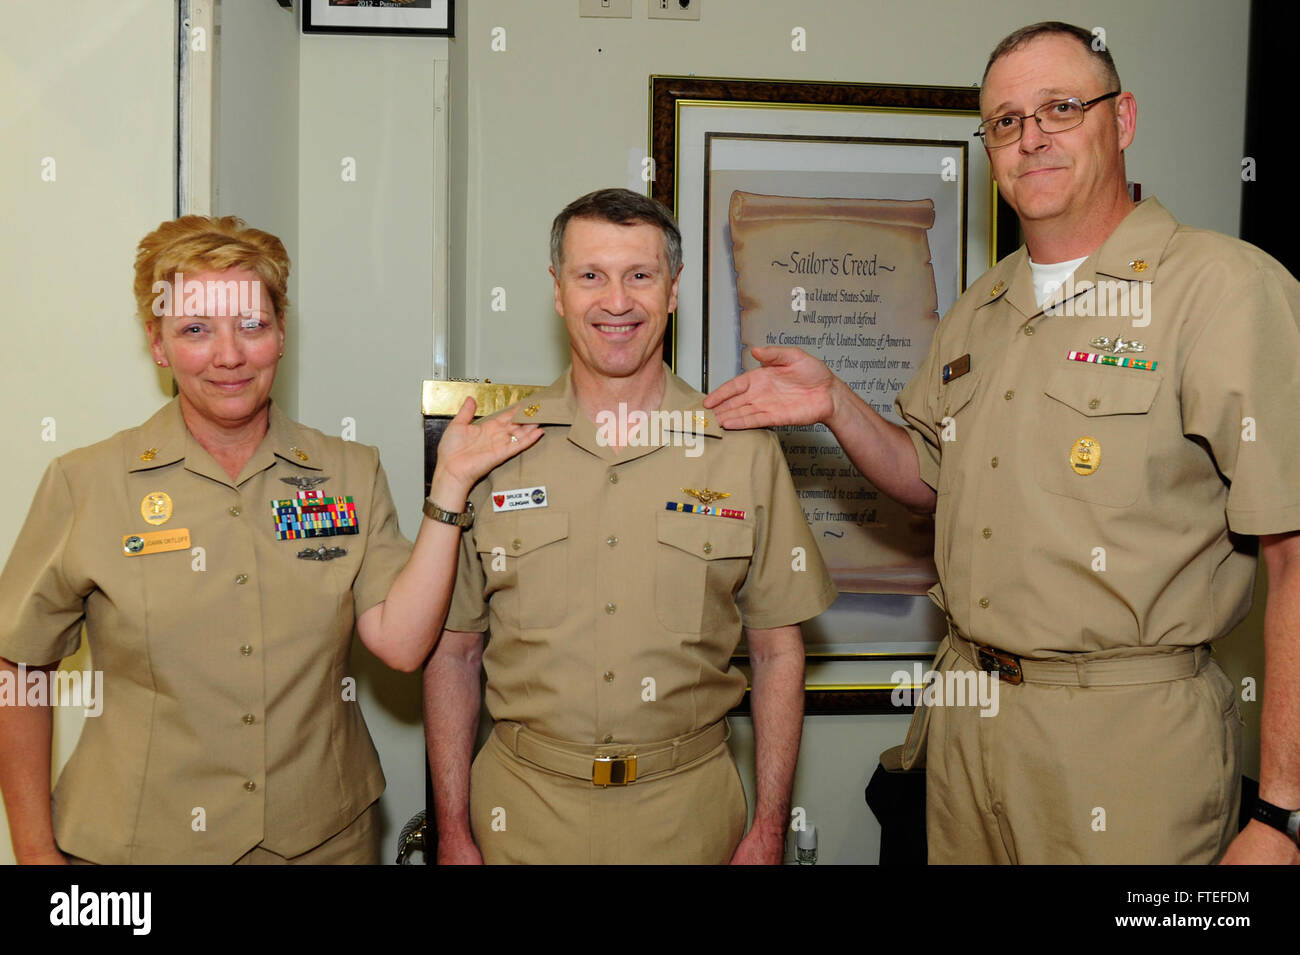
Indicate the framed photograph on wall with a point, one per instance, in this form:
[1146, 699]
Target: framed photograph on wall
[843, 219]
[379, 17]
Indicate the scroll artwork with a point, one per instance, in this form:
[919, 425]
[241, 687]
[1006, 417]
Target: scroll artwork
[851, 282]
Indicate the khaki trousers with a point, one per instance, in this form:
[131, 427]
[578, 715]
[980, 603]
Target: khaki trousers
[1146, 773]
[521, 813]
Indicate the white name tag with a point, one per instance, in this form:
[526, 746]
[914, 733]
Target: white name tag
[519, 498]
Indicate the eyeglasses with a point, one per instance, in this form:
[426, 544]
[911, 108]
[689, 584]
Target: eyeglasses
[1054, 117]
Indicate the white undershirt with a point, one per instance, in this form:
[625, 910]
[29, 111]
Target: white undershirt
[1049, 278]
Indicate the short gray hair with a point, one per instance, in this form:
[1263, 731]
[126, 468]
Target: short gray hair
[622, 207]
[1101, 57]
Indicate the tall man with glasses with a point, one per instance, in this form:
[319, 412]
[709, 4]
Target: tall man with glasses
[1105, 428]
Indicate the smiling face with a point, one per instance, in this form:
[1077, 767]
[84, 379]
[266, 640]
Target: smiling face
[614, 293]
[1061, 180]
[223, 349]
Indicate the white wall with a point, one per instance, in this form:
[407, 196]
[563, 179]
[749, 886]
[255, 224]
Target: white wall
[367, 307]
[95, 94]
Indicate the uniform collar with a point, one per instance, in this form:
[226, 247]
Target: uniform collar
[558, 405]
[1132, 252]
[164, 439]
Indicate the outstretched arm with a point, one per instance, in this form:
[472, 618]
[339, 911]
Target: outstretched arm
[403, 628]
[793, 387]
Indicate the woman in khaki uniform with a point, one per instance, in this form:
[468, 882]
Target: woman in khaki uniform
[220, 556]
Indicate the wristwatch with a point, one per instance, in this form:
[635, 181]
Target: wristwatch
[462, 519]
[1283, 820]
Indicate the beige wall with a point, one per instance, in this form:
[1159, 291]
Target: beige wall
[95, 94]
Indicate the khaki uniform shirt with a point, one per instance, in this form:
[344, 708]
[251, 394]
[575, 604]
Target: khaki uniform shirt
[613, 618]
[223, 664]
[1140, 549]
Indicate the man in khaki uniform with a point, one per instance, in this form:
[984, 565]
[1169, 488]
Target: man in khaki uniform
[243, 741]
[615, 569]
[1103, 421]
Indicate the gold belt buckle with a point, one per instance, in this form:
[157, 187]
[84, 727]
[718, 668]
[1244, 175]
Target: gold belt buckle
[1006, 666]
[613, 770]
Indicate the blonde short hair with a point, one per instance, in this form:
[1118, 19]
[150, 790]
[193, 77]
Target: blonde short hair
[194, 244]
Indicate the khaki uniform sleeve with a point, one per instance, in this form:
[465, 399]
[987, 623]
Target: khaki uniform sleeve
[776, 593]
[386, 549]
[41, 609]
[916, 404]
[469, 608]
[1240, 392]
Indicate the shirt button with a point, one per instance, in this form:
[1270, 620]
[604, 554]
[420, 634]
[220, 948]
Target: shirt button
[611, 540]
[516, 543]
[613, 477]
[246, 650]
[994, 462]
[234, 512]
[250, 785]
[609, 738]
[609, 676]
[1029, 329]
[708, 548]
[249, 719]
[241, 578]
[988, 532]
[984, 601]
[1094, 403]
[610, 608]
[1010, 394]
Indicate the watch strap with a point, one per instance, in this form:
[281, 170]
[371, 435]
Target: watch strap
[461, 519]
[1283, 820]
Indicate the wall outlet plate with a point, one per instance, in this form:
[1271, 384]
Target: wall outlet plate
[622, 9]
[673, 9]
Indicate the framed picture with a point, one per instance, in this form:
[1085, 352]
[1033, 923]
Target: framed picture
[379, 17]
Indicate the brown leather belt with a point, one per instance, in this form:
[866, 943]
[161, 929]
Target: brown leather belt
[1161, 665]
[609, 764]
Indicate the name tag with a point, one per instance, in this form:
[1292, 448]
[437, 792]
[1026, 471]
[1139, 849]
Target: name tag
[956, 368]
[156, 542]
[519, 498]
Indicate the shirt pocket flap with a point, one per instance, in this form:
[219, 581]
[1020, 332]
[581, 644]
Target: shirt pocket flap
[522, 534]
[1098, 393]
[957, 393]
[706, 537]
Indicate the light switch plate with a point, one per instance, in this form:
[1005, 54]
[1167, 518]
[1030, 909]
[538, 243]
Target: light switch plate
[622, 9]
[673, 9]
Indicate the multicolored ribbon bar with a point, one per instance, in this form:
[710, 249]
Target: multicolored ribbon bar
[706, 509]
[308, 514]
[1143, 364]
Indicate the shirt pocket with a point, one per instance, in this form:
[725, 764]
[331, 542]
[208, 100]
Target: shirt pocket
[954, 425]
[525, 554]
[1112, 407]
[701, 562]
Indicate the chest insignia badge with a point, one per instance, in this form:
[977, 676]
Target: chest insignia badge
[1117, 346]
[322, 553]
[305, 483]
[156, 508]
[706, 496]
[149, 454]
[532, 410]
[1085, 456]
[300, 454]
